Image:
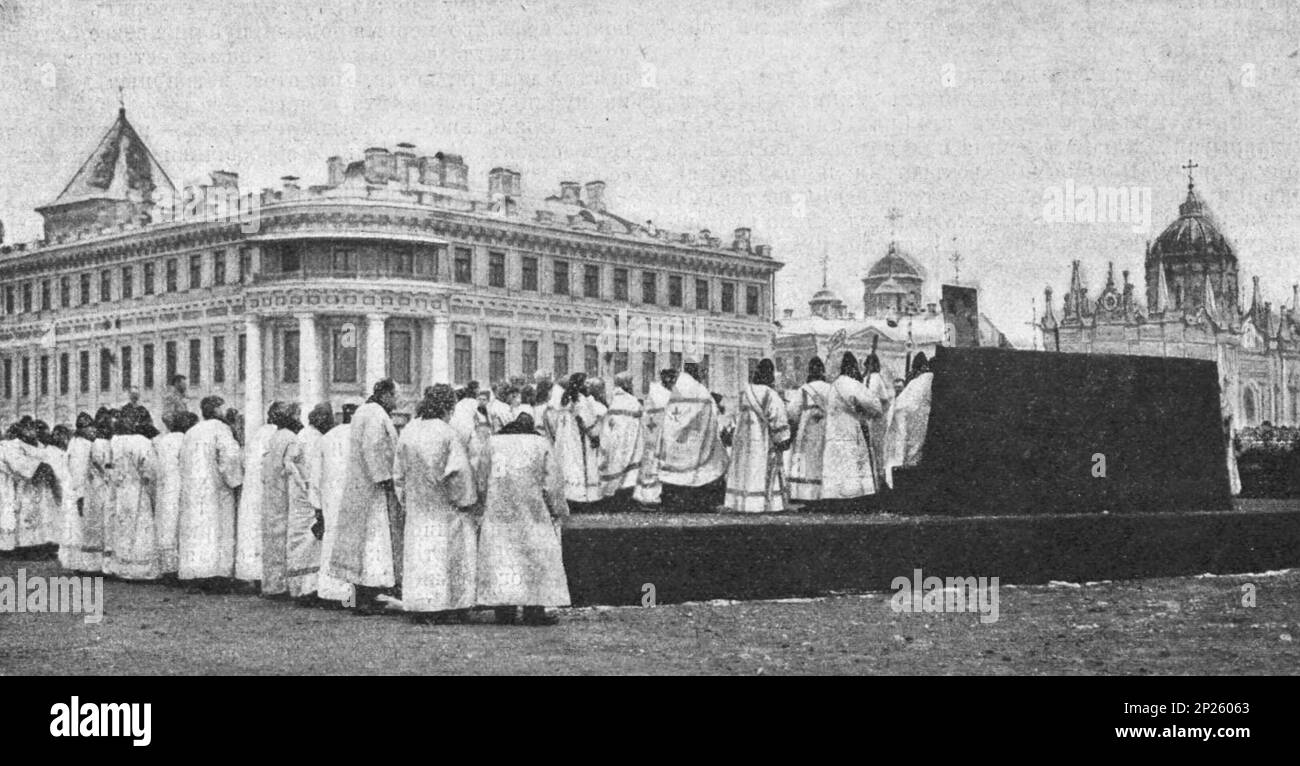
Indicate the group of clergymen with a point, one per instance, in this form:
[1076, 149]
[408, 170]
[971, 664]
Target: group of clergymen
[461, 507]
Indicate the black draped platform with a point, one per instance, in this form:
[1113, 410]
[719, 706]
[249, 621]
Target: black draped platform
[610, 559]
[1019, 432]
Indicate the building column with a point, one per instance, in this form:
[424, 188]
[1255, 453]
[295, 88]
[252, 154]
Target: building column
[253, 409]
[440, 356]
[310, 391]
[376, 348]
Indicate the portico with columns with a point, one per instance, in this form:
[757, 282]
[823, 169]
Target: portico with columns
[331, 342]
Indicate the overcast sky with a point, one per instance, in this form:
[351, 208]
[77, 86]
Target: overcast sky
[806, 120]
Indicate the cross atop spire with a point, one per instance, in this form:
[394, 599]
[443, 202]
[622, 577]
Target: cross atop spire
[1189, 167]
[955, 260]
[825, 261]
[893, 215]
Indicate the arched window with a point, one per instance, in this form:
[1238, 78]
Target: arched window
[1248, 408]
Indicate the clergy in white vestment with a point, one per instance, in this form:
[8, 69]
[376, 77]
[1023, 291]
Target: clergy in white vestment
[573, 422]
[621, 444]
[693, 460]
[167, 502]
[334, 457]
[806, 411]
[436, 486]
[648, 487]
[883, 392]
[290, 548]
[248, 525]
[82, 548]
[364, 552]
[499, 411]
[543, 389]
[14, 464]
[520, 561]
[53, 495]
[30, 494]
[307, 523]
[101, 497]
[908, 420]
[755, 474]
[135, 471]
[212, 469]
[847, 468]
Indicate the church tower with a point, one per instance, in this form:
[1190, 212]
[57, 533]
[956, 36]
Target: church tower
[1192, 251]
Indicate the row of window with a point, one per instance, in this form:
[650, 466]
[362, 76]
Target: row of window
[562, 282]
[16, 374]
[344, 358]
[23, 298]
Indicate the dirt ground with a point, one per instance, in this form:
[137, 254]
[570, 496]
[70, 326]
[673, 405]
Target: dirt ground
[1162, 626]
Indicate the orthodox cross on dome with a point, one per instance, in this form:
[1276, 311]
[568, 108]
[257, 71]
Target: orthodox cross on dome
[1189, 167]
[825, 260]
[893, 216]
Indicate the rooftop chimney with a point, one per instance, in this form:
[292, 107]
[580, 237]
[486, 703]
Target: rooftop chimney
[498, 182]
[453, 172]
[379, 165]
[225, 179]
[404, 163]
[741, 242]
[763, 251]
[787, 314]
[570, 192]
[334, 170]
[596, 196]
[290, 183]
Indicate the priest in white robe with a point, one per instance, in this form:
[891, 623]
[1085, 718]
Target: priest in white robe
[212, 469]
[436, 487]
[621, 445]
[82, 548]
[806, 411]
[101, 506]
[290, 548]
[574, 424]
[134, 534]
[167, 503]
[520, 561]
[693, 466]
[248, 527]
[334, 446]
[364, 553]
[877, 425]
[908, 420]
[755, 474]
[648, 487]
[848, 472]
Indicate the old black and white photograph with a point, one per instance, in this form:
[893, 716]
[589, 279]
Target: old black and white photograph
[742, 338]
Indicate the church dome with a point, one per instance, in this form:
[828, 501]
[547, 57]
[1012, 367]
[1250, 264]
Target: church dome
[895, 263]
[1193, 233]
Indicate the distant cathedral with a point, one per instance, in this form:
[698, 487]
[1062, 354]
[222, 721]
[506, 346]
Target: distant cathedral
[1192, 310]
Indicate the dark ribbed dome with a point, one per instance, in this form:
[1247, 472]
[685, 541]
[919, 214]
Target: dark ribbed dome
[895, 263]
[1193, 233]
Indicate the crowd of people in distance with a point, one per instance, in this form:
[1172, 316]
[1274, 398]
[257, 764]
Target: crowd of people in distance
[458, 509]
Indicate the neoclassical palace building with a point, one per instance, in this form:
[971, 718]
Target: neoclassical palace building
[393, 267]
